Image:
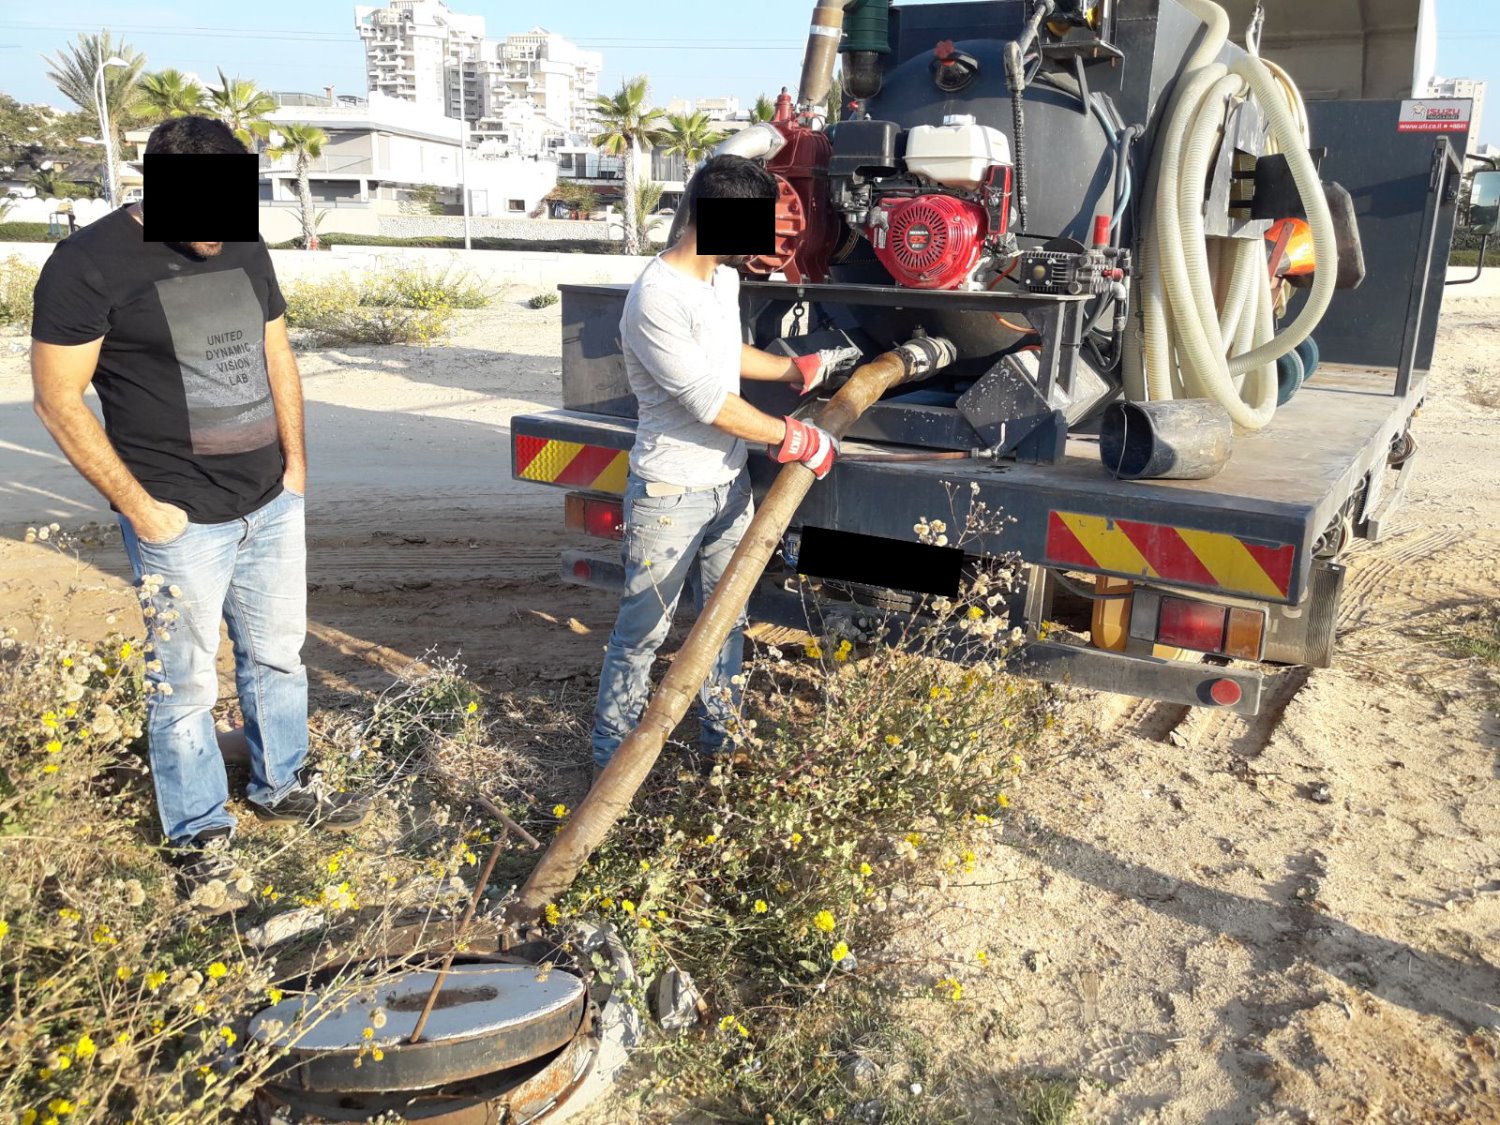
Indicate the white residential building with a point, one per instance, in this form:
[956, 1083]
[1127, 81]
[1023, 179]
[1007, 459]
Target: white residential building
[1463, 88]
[521, 95]
[379, 151]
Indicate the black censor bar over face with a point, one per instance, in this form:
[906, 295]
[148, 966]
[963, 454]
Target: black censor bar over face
[736, 227]
[212, 197]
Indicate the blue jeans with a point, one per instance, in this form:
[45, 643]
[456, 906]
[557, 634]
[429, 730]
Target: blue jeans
[669, 539]
[252, 573]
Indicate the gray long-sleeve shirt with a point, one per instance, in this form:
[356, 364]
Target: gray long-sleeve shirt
[681, 338]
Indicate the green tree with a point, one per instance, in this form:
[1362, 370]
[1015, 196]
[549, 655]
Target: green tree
[648, 195]
[305, 142]
[74, 72]
[241, 105]
[764, 110]
[836, 99]
[629, 126]
[692, 137]
[170, 93]
[52, 183]
[580, 199]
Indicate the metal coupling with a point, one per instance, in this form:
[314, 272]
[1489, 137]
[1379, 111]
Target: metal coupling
[924, 355]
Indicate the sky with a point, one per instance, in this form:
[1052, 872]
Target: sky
[689, 48]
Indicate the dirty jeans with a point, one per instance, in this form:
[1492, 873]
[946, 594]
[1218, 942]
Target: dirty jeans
[250, 572]
[669, 539]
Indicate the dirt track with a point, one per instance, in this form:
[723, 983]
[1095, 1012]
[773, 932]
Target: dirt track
[1178, 915]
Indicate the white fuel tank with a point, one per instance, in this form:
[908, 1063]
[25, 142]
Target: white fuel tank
[958, 153]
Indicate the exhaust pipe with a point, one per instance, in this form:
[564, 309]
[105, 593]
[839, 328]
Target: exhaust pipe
[823, 40]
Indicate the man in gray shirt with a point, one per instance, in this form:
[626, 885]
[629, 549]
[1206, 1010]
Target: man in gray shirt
[688, 496]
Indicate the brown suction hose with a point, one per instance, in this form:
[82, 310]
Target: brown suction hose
[616, 787]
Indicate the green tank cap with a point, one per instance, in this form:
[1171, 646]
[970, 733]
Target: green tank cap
[867, 27]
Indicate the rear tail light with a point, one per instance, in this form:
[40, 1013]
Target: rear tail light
[1246, 634]
[1195, 625]
[603, 519]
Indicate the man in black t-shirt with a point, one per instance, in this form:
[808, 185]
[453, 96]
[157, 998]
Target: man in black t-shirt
[201, 455]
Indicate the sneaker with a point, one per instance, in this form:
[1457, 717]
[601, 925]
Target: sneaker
[209, 873]
[312, 803]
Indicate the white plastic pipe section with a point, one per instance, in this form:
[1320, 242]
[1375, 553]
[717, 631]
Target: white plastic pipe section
[1209, 324]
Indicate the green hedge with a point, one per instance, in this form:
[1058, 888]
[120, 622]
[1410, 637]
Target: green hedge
[25, 232]
[433, 242]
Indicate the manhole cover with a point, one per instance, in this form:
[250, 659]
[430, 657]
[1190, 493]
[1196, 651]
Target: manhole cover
[487, 1017]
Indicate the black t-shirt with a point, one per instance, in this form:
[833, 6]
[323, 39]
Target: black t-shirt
[182, 370]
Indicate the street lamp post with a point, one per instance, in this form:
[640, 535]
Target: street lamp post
[463, 173]
[110, 188]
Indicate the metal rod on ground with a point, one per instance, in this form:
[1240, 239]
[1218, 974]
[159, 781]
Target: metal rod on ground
[437, 985]
[616, 787]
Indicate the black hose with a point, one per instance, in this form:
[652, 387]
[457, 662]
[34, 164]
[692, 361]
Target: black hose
[1018, 119]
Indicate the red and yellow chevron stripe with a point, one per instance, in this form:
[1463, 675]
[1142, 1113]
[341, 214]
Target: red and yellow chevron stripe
[1209, 560]
[592, 467]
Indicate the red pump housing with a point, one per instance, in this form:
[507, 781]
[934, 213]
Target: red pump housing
[807, 227]
[930, 241]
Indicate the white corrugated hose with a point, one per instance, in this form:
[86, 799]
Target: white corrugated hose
[1197, 346]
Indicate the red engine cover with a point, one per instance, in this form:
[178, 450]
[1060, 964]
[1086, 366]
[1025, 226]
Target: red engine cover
[931, 241]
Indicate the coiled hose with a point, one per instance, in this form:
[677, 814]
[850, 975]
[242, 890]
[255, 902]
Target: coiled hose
[1195, 346]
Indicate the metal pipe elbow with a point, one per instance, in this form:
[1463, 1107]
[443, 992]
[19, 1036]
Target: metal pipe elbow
[760, 141]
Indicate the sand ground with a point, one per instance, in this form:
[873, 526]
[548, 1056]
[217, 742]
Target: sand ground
[1295, 918]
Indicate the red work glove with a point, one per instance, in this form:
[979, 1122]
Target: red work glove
[821, 366]
[810, 445]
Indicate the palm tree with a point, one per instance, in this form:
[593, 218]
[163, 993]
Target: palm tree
[764, 110]
[305, 142]
[692, 137]
[50, 183]
[170, 93]
[75, 72]
[629, 125]
[243, 107]
[648, 195]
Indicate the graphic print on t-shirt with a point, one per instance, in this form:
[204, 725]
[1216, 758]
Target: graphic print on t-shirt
[218, 331]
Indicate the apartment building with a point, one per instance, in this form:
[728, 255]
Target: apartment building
[521, 95]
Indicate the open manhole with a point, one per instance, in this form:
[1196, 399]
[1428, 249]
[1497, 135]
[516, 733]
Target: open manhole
[487, 1017]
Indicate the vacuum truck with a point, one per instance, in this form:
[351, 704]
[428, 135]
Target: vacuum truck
[1191, 255]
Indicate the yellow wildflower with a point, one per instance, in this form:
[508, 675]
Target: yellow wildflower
[840, 951]
[61, 1106]
[102, 936]
[85, 1048]
[663, 916]
[49, 720]
[796, 838]
[644, 923]
[841, 654]
[645, 865]
[760, 906]
[377, 1054]
[228, 1035]
[124, 972]
[50, 767]
[471, 708]
[274, 995]
[54, 747]
[1003, 801]
[628, 906]
[68, 914]
[814, 650]
[156, 979]
[368, 1033]
[607, 903]
[710, 839]
[218, 970]
[823, 919]
[982, 957]
[125, 651]
[893, 740]
[914, 839]
[952, 987]
[975, 613]
[866, 870]
[4, 929]
[559, 811]
[553, 914]
[980, 818]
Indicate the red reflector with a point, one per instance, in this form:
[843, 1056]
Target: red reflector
[603, 519]
[582, 570]
[1226, 693]
[1195, 625]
